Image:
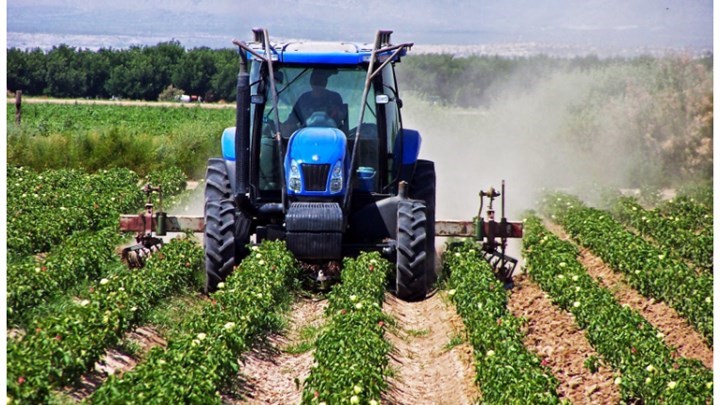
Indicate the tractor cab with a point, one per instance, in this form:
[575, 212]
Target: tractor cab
[317, 112]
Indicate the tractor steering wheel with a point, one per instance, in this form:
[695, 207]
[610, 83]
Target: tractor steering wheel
[320, 119]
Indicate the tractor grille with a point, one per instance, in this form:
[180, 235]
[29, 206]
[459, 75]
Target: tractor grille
[315, 176]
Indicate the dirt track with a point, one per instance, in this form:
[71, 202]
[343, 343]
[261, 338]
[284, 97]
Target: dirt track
[428, 369]
[271, 373]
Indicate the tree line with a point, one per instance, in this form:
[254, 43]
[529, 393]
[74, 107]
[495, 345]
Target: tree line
[145, 72]
[139, 72]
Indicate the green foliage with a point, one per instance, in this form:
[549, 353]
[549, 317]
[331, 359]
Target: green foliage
[630, 344]
[57, 349]
[507, 372]
[649, 269]
[688, 213]
[202, 358]
[668, 232]
[95, 137]
[83, 256]
[44, 208]
[701, 191]
[351, 354]
[140, 72]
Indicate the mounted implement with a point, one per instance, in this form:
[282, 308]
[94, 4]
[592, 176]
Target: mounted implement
[319, 157]
[144, 225]
[490, 234]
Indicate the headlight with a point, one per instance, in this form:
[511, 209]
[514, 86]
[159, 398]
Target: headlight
[336, 178]
[294, 183]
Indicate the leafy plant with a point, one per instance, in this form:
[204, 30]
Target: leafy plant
[201, 358]
[351, 354]
[649, 269]
[506, 371]
[667, 232]
[59, 348]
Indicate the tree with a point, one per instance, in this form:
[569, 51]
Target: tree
[65, 76]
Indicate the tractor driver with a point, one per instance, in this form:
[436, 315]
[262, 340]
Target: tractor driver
[317, 100]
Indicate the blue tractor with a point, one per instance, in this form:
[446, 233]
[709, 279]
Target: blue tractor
[319, 158]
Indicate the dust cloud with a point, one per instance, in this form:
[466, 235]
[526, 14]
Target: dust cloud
[521, 137]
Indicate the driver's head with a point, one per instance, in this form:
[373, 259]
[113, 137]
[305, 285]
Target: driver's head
[319, 78]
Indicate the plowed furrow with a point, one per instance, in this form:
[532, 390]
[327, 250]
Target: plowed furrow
[554, 336]
[428, 368]
[274, 372]
[116, 361]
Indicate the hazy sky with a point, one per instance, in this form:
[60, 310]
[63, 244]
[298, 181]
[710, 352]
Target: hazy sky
[607, 23]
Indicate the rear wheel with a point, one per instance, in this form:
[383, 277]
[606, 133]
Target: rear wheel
[219, 192]
[422, 187]
[411, 251]
[219, 242]
[217, 181]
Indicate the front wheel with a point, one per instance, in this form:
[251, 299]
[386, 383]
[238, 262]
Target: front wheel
[412, 246]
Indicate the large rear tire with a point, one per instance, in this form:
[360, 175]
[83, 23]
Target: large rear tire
[217, 181]
[219, 242]
[411, 251]
[422, 187]
[218, 191]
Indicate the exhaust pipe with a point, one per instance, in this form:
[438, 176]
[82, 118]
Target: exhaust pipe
[242, 127]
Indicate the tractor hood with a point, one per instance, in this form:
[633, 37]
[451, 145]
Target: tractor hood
[315, 162]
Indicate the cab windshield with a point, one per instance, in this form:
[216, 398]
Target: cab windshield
[319, 96]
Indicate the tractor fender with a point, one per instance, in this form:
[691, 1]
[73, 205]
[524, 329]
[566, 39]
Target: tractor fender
[406, 150]
[227, 144]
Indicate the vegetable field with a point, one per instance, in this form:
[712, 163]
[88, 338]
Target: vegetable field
[612, 304]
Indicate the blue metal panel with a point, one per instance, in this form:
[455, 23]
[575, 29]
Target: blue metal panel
[228, 143]
[325, 58]
[411, 141]
[342, 56]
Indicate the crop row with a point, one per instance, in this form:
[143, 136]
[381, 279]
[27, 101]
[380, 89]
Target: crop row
[649, 269]
[701, 192]
[202, 359]
[351, 355]
[506, 371]
[55, 350]
[45, 208]
[85, 255]
[666, 232]
[688, 213]
[629, 343]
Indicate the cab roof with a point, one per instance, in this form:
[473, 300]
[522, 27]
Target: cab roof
[316, 52]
